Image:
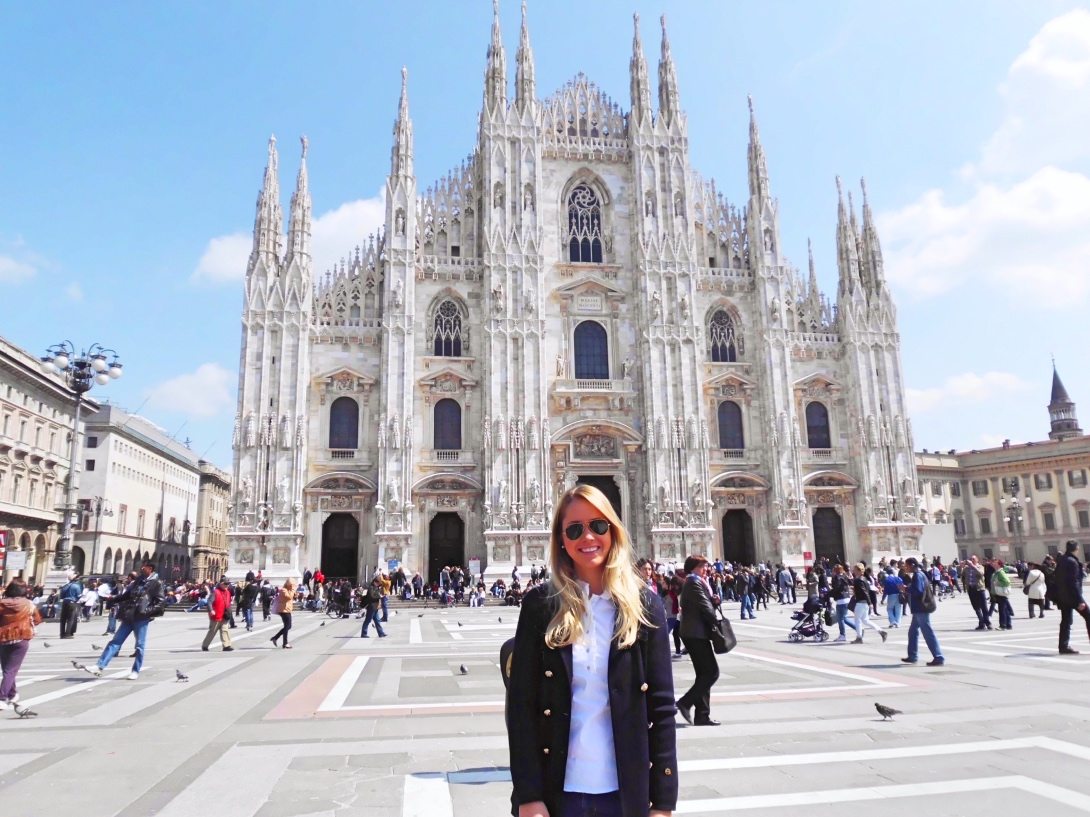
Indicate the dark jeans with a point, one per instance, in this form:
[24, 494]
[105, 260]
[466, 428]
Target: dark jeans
[11, 658]
[1067, 615]
[707, 673]
[1039, 604]
[372, 616]
[979, 599]
[283, 631]
[578, 804]
[69, 617]
[1006, 613]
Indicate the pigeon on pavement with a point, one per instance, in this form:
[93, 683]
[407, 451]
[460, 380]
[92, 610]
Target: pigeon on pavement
[459, 624]
[886, 712]
[77, 665]
[419, 615]
[322, 624]
[181, 676]
[23, 712]
[46, 644]
[95, 647]
[462, 668]
[501, 619]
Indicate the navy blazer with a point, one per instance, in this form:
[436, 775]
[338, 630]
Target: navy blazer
[641, 702]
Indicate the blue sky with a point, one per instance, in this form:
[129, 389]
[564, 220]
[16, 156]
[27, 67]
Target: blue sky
[133, 144]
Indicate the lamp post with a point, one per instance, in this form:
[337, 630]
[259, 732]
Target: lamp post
[81, 371]
[101, 507]
[1014, 512]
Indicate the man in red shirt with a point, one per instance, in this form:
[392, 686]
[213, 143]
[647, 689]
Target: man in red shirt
[218, 605]
[319, 576]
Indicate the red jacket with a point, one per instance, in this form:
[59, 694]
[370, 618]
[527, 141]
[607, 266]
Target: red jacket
[219, 604]
[319, 577]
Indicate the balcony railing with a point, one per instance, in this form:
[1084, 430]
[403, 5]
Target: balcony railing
[824, 454]
[450, 456]
[342, 453]
[584, 384]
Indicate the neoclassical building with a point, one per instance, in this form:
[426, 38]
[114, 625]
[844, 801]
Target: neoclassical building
[573, 302]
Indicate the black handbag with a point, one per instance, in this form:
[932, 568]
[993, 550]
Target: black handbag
[723, 639]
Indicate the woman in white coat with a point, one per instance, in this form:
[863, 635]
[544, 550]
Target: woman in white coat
[1033, 585]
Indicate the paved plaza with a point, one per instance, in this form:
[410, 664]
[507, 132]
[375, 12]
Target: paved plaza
[341, 726]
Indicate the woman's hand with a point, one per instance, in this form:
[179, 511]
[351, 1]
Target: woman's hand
[535, 809]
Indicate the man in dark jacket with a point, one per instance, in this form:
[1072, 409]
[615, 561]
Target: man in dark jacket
[697, 622]
[70, 595]
[921, 617]
[137, 605]
[1068, 592]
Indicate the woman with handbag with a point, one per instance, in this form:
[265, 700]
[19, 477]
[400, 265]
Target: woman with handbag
[590, 701]
[698, 621]
[1001, 590]
[18, 618]
[1034, 588]
[282, 605]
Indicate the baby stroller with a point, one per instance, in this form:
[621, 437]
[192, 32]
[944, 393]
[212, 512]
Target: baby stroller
[808, 622]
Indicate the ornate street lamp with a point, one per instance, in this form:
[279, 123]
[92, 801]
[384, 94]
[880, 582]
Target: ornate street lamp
[81, 371]
[1013, 511]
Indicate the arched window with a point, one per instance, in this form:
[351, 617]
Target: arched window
[447, 419]
[344, 423]
[730, 426]
[584, 226]
[817, 426]
[723, 339]
[108, 560]
[591, 352]
[447, 330]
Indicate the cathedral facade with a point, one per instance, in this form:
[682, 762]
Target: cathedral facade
[572, 303]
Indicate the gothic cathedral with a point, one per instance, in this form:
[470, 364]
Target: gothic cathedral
[572, 303]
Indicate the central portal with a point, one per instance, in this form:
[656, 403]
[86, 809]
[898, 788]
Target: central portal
[738, 545]
[446, 544]
[341, 547]
[608, 486]
[828, 534]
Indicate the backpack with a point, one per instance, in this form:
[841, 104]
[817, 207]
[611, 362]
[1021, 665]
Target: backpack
[928, 601]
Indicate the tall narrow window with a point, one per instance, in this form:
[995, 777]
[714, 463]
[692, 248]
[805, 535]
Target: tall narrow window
[344, 423]
[591, 352]
[730, 426]
[584, 226]
[817, 426]
[722, 337]
[448, 425]
[447, 329]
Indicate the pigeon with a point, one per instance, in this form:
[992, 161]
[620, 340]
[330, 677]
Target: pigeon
[322, 624]
[95, 647]
[887, 712]
[500, 619]
[462, 668]
[181, 676]
[393, 612]
[46, 644]
[419, 615]
[78, 665]
[23, 712]
[459, 624]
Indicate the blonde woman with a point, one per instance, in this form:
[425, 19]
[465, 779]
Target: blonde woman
[285, 600]
[590, 705]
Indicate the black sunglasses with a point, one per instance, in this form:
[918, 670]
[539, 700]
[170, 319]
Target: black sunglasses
[574, 531]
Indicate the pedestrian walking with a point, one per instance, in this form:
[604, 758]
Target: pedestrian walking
[841, 593]
[697, 621]
[1033, 585]
[1001, 591]
[282, 605]
[591, 644]
[247, 599]
[921, 617]
[18, 618]
[973, 576]
[860, 604]
[893, 587]
[219, 604]
[70, 595]
[1068, 595]
[373, 599]
[137, 605]
[268, 593]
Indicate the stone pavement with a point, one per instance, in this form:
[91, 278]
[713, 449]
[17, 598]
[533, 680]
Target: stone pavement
[341, 726]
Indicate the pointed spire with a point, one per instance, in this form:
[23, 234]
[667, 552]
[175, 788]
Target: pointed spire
[495, 72]
[812, 284]
[758, 168]
[525, 86]
[401, 156]
[847, 250]
[637, 66]
[299, 231]
[269, 220]
[669, 99]
[1061, 411]
[872, 249]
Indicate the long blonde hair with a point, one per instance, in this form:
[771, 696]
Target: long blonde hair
[622, 584]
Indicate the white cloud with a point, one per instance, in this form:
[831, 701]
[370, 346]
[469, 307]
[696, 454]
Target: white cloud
[206, 392]
[960, 389]
[74, 291]
[1024, 225]
[334, 235]
[14, 271]
[224, 259]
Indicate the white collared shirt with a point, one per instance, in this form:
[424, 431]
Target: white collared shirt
[592, 761]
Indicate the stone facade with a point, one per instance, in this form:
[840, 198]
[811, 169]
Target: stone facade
[573, 302]
[210, 553]
[1020, 501]
[36, 414]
